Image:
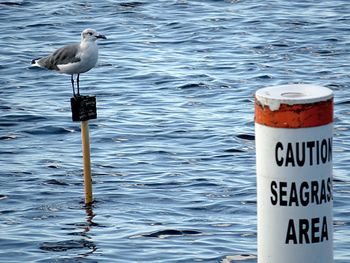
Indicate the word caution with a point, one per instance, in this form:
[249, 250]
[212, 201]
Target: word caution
[303, 153]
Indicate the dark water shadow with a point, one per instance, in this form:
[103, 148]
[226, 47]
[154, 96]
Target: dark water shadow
[82, 242]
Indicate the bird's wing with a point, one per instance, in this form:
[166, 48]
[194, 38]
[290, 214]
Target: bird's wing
[65, 55]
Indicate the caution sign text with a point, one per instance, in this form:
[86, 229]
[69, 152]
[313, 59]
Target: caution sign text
[303, 153]
[303, 193]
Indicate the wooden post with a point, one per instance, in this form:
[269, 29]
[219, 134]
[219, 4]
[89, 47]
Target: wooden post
[83, 110]
[87, 163]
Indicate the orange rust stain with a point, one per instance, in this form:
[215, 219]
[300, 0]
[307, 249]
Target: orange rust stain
[295, 116]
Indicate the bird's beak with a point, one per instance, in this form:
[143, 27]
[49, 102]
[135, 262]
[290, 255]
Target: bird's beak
[101, 36]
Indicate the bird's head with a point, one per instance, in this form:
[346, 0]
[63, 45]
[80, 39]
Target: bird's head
[91, 35]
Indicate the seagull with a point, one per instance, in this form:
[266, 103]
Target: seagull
[73, 59]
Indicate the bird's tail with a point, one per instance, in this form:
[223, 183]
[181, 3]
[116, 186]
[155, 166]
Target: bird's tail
[35, 62]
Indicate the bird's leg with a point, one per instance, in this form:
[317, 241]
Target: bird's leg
[78, 84]
[72, 81]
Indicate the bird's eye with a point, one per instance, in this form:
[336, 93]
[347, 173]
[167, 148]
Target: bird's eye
[90, 33]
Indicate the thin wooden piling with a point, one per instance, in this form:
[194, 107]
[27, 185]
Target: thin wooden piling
[87, 163]
[83, 110]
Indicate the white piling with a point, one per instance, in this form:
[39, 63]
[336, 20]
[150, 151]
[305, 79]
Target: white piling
[293, 127]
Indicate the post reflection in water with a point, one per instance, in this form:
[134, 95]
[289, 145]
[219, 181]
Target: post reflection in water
[88, 226]
[68, 248]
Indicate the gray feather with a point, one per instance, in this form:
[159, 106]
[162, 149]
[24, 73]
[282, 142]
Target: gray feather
[65, 55]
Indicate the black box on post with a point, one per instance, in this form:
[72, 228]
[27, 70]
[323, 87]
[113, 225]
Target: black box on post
[83, 108]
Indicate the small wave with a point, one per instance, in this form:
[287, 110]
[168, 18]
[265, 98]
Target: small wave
[22, 117]
[2, 197]
[10, 3]
[233, 150]
[243, 257]
[131, 4]
[246, 137]
[56, 182]
[193, 85]
[67, 245]
[8, 137]
[49, 129]
[4, 107]
[168, 233]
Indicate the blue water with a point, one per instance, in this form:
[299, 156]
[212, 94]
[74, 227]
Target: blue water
[172, 150]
